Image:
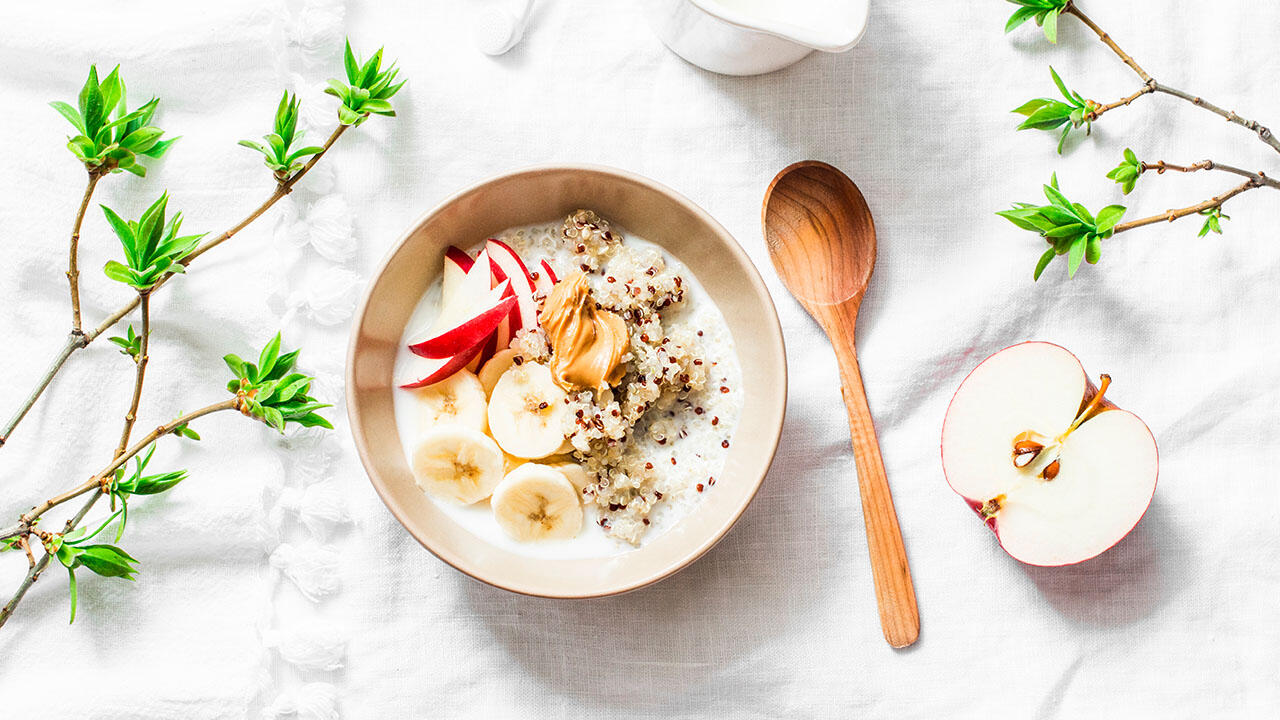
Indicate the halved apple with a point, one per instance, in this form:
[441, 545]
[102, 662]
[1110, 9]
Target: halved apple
[453, 338]
[1054, 468]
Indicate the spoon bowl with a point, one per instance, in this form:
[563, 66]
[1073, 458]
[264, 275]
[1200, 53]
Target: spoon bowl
[822, 242]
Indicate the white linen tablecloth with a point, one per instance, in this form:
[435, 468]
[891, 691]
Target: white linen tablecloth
[274, 583]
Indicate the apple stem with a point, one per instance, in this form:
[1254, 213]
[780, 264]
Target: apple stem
[1091, 409]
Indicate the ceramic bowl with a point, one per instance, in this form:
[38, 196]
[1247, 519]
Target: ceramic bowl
[546, 194]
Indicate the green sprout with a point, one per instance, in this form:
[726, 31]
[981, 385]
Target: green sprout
[278, 151]
[1045, 12]
[270, 392]
[111, 137]
[152, 247]
[1049, 114]
[1069, 228]
[368, 90]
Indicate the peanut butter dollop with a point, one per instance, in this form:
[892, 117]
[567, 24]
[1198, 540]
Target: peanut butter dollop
[587, 344]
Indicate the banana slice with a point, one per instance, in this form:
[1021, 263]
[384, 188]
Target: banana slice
[456, 400]
[536, 502]
[527, 412]
[458, 464]
[493, 369]
[573, 472]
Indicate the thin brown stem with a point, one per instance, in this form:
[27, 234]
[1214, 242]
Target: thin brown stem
[282, 190]
[1171, 215]
[1261, 178]
[1106, 40]
[81, 340]
[1098, 110]
[73, 264]
[33, 573]
[141, 362]
[74, 342]
[28, 520]
[1262, 131]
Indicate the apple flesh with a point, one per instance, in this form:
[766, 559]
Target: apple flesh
[451, 339]
[507, 265]
[1054, 468]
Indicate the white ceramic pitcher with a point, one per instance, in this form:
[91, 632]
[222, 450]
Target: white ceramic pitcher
[749, 37]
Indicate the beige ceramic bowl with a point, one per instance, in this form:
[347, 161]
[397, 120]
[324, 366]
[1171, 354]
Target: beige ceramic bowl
[545, 194]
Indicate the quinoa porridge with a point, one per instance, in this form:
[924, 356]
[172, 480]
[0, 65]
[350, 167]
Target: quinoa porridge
[614, 375]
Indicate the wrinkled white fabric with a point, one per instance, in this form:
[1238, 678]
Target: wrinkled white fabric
[780, 619]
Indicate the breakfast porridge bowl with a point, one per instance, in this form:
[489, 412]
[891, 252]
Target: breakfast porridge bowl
[567, 381]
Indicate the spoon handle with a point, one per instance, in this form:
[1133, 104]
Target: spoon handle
[896, 596]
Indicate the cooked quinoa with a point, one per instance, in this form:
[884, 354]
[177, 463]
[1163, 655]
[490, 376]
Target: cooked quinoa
[626, 437]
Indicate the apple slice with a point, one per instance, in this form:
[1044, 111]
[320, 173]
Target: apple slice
[550, 273]
[456, 264]
[452, 339]
[1056, 470]
[544, 279]
[507, 265]
[430, 372]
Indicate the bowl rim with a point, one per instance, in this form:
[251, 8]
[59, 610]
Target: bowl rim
[770, 323]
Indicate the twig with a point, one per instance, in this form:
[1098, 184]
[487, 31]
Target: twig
[1171, 215]
[33, 573]
[1263, 132]
[79, 341]
[1258, 177]
[73, 266]
[1098, 110]
[74, 342]
[27, 521]
[141, 361]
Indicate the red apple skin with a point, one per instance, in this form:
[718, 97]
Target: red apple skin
[550, 273]
[1090, 391]
[528, 278]
[459, 257]
[454, 364]
[516, 319]
[470, 333]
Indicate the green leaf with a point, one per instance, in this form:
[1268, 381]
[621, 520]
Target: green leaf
[1066, 231]
[1051, 26]
[1108, 217]
[70, 114]
[1045, 259]
[1130, 157]
[74, 595]
[1075, 255]
[1020, 16]
[1093, 251]
[91, 102]
[349, 64]
[1062, 87]
[1056, 197]
[108, 561]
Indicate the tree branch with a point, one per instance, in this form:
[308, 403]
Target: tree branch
[1263, 132]
[28, 520]
[1260, 178]
[141, 362]
[73, 267]
[1171, 215]
[33, 573]
[81, 340]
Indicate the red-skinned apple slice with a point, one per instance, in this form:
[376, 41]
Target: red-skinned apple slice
[472, 331]
[546, 278]
[551, 274]
[1054, 468]
[430, 372]
[508, 265]
[456, 265]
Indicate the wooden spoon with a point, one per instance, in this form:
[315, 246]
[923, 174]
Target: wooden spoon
[822, 242]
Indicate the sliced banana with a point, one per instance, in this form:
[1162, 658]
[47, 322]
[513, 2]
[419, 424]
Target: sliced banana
[527, 412]
[458, 464]
[573, 472]
[493, 369]
[536, 502]
[457, 400]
